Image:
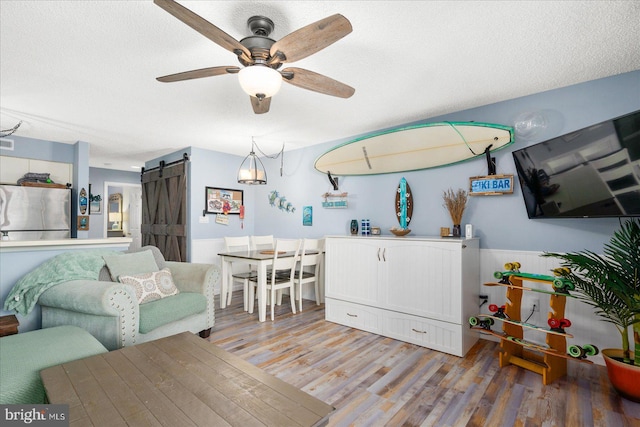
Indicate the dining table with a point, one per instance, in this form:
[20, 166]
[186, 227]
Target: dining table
[261, 260]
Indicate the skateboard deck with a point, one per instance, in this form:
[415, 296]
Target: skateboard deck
[557, 282]
[526, 325]
[542, 291]
[531, 345]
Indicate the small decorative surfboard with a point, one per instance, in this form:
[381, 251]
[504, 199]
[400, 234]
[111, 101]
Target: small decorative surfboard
[423, 146]
[82, 201]
[404, 204]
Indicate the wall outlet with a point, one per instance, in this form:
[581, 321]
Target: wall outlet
[535, 304]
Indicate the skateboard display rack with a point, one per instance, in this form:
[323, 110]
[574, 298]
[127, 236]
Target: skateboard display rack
[513, 349]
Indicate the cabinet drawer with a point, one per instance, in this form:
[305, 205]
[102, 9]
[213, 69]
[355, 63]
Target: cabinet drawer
[441, 336]
[353, 315]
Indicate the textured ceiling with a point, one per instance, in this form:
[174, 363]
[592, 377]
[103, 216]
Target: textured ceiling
[85, 70]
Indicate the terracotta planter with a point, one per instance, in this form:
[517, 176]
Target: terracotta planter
[624, 378]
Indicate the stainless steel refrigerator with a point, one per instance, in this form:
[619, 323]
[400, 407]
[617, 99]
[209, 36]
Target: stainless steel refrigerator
[34, 213]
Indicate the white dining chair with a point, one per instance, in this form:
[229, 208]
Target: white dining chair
[260, 243]
[309, 268]
[239, 273]
[620, 175]
[277, 281]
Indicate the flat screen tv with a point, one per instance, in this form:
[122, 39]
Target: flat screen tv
[591, 173]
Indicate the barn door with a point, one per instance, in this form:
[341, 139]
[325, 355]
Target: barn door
[164, 209]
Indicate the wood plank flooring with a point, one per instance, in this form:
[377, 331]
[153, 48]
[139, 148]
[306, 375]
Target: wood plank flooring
[377, 381]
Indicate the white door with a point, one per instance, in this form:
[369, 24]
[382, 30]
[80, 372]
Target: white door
[352, 270]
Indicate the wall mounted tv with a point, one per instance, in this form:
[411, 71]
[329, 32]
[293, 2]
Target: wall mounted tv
[593, 172]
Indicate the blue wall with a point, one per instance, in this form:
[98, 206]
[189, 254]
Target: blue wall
[500, 221]
[39, 149]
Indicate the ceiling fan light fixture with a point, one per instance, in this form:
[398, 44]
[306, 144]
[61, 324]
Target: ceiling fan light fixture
[252, 171]
[260, 81]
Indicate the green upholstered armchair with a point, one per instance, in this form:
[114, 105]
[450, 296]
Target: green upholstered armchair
[110, 310]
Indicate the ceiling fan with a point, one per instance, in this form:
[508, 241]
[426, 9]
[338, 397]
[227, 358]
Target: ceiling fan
[261, 56]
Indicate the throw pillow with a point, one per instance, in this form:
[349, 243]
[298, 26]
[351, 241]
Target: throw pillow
[151, 286]
[132, 263]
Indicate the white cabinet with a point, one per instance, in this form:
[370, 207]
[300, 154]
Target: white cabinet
[14, 168]
[419, 290]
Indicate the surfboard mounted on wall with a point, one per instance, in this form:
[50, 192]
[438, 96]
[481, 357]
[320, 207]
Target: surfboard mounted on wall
[423, 146]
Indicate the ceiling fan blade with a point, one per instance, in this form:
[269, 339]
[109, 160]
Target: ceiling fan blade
[198, 74]
[316, 82]
[312, 38]
[260, 107]
[204, 27]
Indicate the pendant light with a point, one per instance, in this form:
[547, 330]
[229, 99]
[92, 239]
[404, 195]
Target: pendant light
[252, 170]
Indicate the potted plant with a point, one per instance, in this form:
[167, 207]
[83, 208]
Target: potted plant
[611, 284]
[455, 202]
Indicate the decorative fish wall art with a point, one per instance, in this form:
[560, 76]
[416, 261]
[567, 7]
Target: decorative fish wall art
[280, 202]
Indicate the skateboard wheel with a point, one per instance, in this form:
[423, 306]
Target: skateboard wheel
[570, 286]
[517, 265]
[498, 275]
[576, 351]
[490, 321]
[473, 321]
[558, 283]
[565, 323]
[493, 308]
[590, 350]
[509, 266]
[553, 323]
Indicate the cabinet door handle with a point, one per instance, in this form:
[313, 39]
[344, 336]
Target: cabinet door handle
[352, 315]
[384, 254]
[420, 332]
[378, 254]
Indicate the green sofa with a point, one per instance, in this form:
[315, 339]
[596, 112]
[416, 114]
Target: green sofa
[24, 355]
[110, 311]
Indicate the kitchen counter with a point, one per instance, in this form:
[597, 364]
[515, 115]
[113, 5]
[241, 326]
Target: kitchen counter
[35, 245]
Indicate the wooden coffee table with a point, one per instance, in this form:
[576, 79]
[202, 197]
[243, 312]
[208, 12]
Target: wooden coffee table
[180, 380]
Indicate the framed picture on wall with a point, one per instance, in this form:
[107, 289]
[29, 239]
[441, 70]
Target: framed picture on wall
[307, 215]
[223, 200]
[83, 223]
[95, 203]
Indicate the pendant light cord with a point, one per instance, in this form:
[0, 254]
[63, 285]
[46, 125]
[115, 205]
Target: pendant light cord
[273, 156]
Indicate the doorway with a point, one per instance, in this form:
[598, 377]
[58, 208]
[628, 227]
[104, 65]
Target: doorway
[129, 197]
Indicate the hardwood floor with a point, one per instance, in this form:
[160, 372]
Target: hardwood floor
[374, 381]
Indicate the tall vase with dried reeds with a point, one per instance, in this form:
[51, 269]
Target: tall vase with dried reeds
[455, 202]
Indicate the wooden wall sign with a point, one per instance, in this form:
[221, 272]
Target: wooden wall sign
[491, 185]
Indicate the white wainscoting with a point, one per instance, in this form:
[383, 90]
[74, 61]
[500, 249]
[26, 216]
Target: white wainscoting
[206, 251]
